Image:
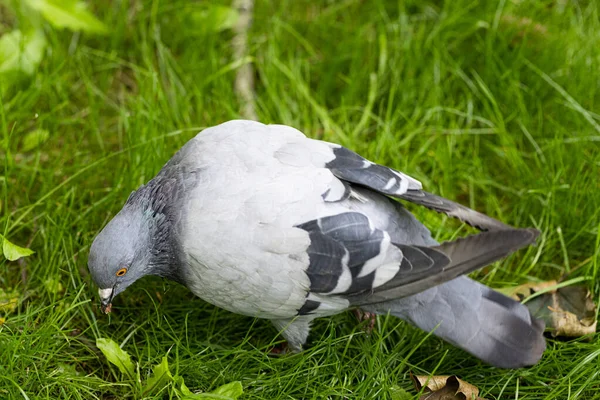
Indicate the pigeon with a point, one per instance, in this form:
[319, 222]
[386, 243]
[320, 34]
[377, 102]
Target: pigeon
[262, 221]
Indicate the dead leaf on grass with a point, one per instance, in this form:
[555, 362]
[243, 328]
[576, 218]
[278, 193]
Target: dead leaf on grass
[445, 387]
[568, 311]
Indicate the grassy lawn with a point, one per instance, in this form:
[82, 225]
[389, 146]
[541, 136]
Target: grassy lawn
[495, 104]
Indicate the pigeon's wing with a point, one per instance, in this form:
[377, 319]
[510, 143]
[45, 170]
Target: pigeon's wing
[351, 255]
[463, 255]
[351, 167]
[348, 257]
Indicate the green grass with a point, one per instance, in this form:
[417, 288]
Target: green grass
[493, 104]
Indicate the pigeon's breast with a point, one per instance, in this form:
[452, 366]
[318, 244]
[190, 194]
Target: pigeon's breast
[242, 252]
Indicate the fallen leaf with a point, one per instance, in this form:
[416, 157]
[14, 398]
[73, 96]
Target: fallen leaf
[445, 387]
[12, 252]
[522, 292]
[116, 356]
[567, 311]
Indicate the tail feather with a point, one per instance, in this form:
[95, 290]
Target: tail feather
[485, 323]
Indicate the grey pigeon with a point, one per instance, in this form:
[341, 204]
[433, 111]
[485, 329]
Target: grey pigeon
[262, 221]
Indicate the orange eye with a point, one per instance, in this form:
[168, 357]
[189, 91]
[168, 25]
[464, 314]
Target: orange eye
[122, 272]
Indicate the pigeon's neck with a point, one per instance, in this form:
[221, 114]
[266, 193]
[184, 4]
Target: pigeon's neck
[158, 202]
[166, 258]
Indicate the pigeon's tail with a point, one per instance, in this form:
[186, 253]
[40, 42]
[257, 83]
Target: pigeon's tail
[469, 315]
[485, 323]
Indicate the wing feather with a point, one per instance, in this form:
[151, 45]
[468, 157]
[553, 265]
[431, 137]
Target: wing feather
[348, 256]
[351, 167]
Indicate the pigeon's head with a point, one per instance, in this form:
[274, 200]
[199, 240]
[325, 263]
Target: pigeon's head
[122, 252]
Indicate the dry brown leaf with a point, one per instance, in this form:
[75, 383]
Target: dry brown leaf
[445, 387]
[568, 311]
[522, 292]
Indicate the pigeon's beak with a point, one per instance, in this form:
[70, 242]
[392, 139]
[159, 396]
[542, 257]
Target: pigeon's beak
[106, 296]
